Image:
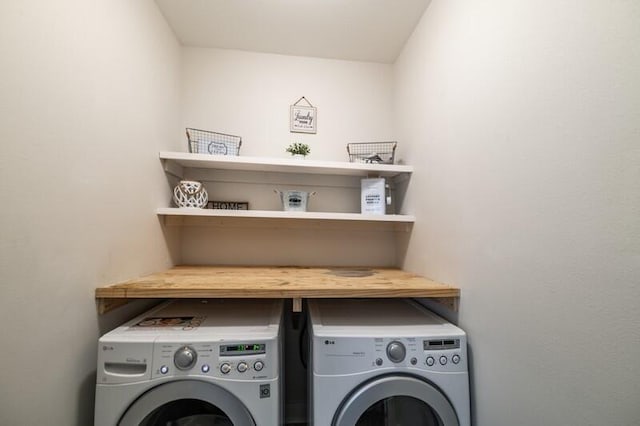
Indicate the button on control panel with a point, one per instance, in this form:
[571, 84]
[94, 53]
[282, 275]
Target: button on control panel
[442, 361]
[243, 368]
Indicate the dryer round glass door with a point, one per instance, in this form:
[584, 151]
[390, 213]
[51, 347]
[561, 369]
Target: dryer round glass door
[186, 403]
[397, 401]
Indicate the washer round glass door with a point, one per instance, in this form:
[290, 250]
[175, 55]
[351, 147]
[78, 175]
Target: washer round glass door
[397, 401]
[185, 403]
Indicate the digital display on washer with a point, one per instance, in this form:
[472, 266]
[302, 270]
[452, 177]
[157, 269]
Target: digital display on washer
[243, 349]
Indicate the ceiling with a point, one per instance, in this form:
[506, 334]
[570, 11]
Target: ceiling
[360, 30]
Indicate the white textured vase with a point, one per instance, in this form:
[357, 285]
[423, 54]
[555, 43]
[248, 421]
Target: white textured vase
[189, 193]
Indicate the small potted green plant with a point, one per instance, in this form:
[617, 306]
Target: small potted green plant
[299, 150]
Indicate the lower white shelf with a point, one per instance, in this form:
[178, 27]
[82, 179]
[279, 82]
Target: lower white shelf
[272, 214]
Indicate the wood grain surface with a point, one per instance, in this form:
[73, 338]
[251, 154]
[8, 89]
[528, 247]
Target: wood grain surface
[277, 282]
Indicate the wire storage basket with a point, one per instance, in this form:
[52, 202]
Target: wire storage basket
[207, 142]
[372, 152]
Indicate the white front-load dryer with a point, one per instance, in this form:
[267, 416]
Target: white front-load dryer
[205, 362]
[383, 362]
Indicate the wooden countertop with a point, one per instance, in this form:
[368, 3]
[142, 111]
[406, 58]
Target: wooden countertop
[275, 282]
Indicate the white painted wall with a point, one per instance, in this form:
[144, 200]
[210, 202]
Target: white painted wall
[89, 93]
[522, 120]
[249, 94]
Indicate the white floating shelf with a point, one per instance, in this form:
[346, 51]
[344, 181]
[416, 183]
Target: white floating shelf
[280, 165]
[270, 214]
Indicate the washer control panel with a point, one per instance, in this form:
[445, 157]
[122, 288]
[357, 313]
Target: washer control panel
[234, 360]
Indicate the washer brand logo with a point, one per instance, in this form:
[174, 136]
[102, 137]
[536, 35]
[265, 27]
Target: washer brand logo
[329, 342]
[107, 348]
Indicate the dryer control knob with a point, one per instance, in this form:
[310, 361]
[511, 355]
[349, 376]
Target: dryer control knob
[185, 358]
[258, 365]
[225, 368]
[242, 367]
[396, 351]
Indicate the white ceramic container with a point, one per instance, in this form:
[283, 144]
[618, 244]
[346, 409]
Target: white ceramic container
[190, 193]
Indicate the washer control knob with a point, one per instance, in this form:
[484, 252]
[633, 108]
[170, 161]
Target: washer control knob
[185, 358]
[455, 359]
[258, 365]
[205, 368]
[430, 361]
[242, 367]
[396, 351]
[225, 368]
[379, 362]
[164, 369]
[414, 361]
[443, 360]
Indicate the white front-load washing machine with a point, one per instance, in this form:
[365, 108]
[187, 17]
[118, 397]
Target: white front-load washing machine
[193, 362]
[376, 362]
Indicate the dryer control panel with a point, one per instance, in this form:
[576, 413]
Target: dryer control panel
[344, 355]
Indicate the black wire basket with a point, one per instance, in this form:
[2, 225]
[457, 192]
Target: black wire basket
[372, 152]
[207, 142]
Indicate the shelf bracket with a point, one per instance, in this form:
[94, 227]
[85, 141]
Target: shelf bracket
[297, 304]
[448, 302]
[108, 305]
[173, 168]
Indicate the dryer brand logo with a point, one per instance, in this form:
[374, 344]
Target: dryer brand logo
[107, 348]
[329, 342]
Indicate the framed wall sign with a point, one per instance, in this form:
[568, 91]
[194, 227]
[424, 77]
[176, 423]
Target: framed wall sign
[303, 118]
